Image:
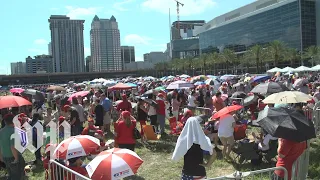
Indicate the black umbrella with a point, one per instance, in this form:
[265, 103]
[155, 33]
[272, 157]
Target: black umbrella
[151, 91]
[287, 124]
[239, 94]
[270, 87]
[37, 95]
[250, 100]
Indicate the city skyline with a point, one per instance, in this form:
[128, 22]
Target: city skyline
[143, 23]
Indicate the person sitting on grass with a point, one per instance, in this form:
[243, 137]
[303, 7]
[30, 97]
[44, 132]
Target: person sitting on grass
[186, 115]
[91, 129]
[76, 164]
[103, 145]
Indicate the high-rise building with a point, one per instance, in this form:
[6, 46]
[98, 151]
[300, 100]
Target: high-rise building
[127, 54]
[49, 49]
[187, 29]
[155, 57]
[18, 68]
[88, 64]
[105, 45]
[67, 44]
[261, 22]
[39, 64]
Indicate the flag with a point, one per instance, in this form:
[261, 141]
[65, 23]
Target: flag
[23, 137]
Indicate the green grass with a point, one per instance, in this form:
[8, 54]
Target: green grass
[158, 164]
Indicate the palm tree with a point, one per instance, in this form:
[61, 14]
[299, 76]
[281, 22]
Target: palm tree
[228, 56]
[276, 50]
[292, 55]
[257, 54]
[213, 60]
[312, 52]
[203, 60]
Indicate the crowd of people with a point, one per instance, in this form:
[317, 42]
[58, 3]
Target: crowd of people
[114, 115]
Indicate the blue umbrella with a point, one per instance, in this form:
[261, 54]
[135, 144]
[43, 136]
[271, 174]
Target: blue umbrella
[131, 84]
[260, 78]
[198, 83]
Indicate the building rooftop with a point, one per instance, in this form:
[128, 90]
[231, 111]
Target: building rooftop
[59, 17]
[113, 18]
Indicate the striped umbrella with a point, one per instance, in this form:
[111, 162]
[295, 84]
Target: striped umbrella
[76, 146]
[114, 164]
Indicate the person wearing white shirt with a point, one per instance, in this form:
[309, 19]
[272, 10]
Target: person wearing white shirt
[225, 133]
[192, 100]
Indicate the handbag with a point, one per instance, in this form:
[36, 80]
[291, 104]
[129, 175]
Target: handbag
[136, 133]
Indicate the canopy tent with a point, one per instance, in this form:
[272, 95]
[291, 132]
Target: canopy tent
[287, 69]
[316, 68]
[120, 86]
[302, 68]
[273, 70]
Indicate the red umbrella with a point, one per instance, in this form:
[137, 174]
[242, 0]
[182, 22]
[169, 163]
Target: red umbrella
[16, 90]
[13, 101]
[120, 86]
[226, 110]
[81, 93]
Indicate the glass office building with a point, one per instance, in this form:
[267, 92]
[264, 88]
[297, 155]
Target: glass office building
[290, 21]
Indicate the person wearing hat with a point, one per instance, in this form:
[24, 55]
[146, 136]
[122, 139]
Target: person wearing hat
[91, 129]
[124, 131]
[103, 146]
[191, 145]
[161, 112]
[76, 164]
[124, 105]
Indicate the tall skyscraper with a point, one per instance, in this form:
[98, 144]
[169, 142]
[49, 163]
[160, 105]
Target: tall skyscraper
[105, 45]
[127, 54]
[39, 64]
[18, 68]
[67, 44]
[49, 49]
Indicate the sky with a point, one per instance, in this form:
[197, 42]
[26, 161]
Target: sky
[24, 29]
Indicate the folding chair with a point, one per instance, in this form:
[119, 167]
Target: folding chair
[149, 132]
[240, 131]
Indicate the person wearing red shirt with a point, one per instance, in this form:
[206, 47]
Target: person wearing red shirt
[288, 153]
[124, 105]
[76, 164]
[124, 131]
[91, 129]
[161, 112]
[218, 102]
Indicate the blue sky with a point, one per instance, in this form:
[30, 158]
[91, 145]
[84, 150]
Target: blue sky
[24, 29]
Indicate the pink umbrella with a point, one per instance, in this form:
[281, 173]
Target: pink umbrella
[81, 93]
[16, 90]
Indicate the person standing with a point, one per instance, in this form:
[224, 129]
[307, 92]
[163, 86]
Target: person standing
[192, 100]
[8, 153]
[107, 106]
[124, 105]
[80, 110]
[142, 114]
[175, 106]
[152, 113]
[98, 112]
[124, 131]
[161, 112]
[218, 102]
[225, 133]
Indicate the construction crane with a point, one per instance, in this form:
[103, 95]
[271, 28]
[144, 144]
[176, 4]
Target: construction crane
[178, 16]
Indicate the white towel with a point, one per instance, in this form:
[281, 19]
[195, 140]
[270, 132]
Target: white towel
[192, 133]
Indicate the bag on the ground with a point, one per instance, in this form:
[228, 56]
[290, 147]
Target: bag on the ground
[136, 133]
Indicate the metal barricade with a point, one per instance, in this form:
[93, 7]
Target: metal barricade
[202, 110]
[57, 171]
[256, 175]
[301, 165]
[316, 117]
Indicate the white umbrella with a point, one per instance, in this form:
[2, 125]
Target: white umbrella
[302, 68]
[287, 97]
[273, 70]
[316, 68]
[287, 69]
[184, 76]
[180, 85]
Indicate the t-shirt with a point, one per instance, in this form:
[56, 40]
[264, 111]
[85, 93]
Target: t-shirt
[125, 133]
[291, 150]
[192, 160]
[107, 104]
[6, 142]
[161, 110]
[90, 130]
[218, 103]
[152, 111]
[80, 111]
[266, 141]
[191, 101]
[225, 126]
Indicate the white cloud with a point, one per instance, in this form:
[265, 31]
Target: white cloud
[86, 51]
[119, 5]
[75, 12]
[191, 7]
[135, 39]
[40, 42]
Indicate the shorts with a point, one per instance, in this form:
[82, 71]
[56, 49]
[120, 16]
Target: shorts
[227, 140]
[107, 119]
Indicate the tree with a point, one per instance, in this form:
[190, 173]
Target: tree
[292, 55]
[313, 53]
[228, 57]
[276, 51]
[255, 54]
[213, 60]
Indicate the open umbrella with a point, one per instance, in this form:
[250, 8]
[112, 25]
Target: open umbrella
[250, 100]
[273, 70]
[76, 146]
[80, 93]
[199, 83]
[260, 78]
[287, 124]
[270, 87]
[226, 110]
[300, 82]
[37, 95]
[239, 94]
[13, 101]
[56, 88]
[180, 85]
[16, 90]
[287, 97]
[114, 164]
